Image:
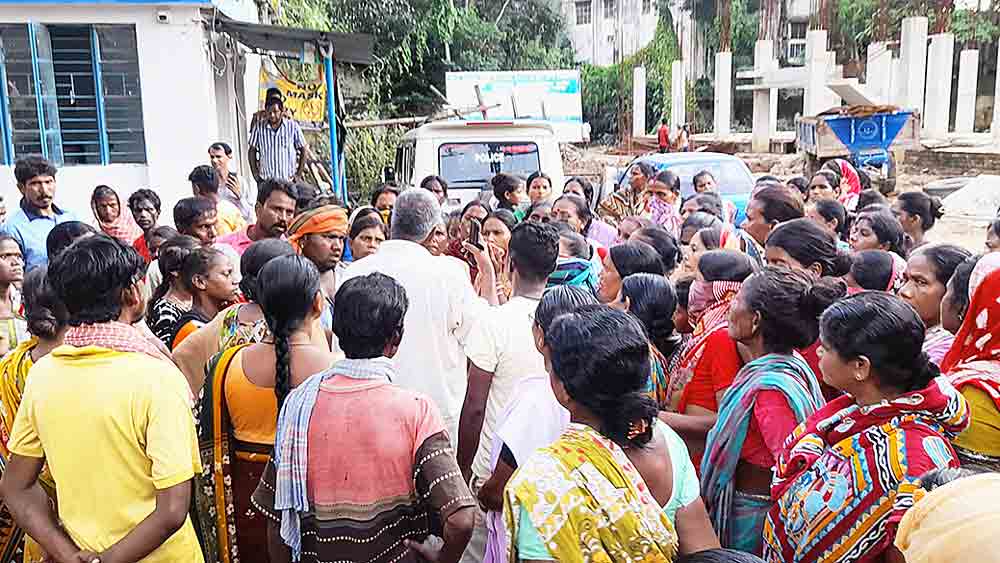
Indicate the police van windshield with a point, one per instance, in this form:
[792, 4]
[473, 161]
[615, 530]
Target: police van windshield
[475, 163]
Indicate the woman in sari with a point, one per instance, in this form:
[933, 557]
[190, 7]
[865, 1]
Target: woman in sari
[850, 182]
[664, 243]
[107, 208]
[878, 229]
[955, 303]
[238, 410]
[595, 229]
[775, 313]
[582, 498]
[633, 200]
[475, 210]
[875, 270]
[46, 317]
[804, 245]
[207, 274]
[171, 298]
[768, 208]
[973, 367]
[623, 261]
[652, 300]
[13, 329]
[925, 282]
[239, 324]
[711, 358]
[496, 231]
[664, 202]
[848, 473]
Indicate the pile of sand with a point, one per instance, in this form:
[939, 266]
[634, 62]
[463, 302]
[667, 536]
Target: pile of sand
[979, 199]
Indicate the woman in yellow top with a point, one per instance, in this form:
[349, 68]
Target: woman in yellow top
[238, 410]
[47, 323]
[973, 367]
[596, 493]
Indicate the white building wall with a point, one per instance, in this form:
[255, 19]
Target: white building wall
[178, 103]
[598, 41]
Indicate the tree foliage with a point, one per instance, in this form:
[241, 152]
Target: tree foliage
[412, 38]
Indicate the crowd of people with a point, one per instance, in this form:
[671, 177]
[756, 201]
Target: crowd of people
[547, 377]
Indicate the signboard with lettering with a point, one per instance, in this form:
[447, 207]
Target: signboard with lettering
[549, 95]
[306, 101]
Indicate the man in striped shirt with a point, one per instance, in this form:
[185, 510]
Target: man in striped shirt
[277, 146]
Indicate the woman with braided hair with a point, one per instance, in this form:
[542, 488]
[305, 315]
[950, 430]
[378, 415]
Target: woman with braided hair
[238, 411]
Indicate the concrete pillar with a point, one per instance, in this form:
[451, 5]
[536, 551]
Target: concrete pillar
[896, 87]
[723, 93]
[878, 71]
[814, 97]
[677, 98]
[638, 101]
[833, 73]
[913, 61]
[937, 107]
[995, 126]
[763, 118]
[968, 82]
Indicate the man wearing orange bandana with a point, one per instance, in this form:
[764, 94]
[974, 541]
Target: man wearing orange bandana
[319, 235]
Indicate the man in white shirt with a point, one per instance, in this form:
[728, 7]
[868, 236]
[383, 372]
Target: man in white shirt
[443, 306]
[501, 350]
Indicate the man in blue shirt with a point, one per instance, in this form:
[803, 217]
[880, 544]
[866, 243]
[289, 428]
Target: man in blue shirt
[37, 213]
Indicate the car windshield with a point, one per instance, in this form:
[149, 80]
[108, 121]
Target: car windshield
[470, 163]
[731, 176]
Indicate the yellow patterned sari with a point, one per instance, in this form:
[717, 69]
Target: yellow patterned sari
[13, 376]
[588, 503]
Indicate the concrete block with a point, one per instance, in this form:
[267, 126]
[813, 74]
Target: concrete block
[913, 61]
[723, 93]
[639, 100]
[968, 81]
[937, 106]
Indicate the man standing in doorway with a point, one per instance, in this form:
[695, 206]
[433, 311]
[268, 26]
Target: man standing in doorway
[205, 183]
[38, 213]
[275, 210]
[277, 146]
[232, 187]
[110, 417]
[663, 136]
[145, 207]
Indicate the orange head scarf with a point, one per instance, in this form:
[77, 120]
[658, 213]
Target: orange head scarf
[325, 219]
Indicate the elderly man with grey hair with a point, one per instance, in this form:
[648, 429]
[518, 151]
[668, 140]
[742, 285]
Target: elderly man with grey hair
[443, 306]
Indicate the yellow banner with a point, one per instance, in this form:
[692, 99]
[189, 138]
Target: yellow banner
[305, 100]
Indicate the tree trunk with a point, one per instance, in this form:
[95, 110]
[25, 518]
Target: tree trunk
[943, 12]
[769, 23]
[724, 9]
[882, 21]
[820, 17]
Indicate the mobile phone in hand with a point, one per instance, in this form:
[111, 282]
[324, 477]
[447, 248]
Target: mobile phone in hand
[474, 228]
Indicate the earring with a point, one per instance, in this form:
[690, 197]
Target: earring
[859, 377]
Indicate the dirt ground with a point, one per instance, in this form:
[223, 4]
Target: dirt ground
[591, 162]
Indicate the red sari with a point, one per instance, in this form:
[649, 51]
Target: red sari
[848, 474]
[973, 363]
